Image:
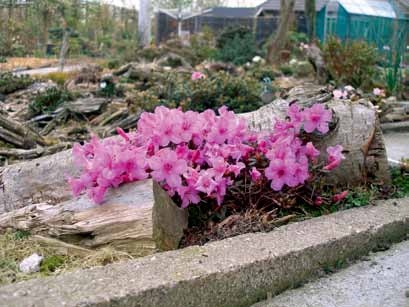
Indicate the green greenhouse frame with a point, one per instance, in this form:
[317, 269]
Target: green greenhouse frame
[379, 22]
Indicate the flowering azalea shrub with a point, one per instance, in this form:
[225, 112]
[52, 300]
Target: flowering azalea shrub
[204, 157]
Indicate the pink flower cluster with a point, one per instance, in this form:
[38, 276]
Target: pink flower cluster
[197, 75]
[199, 156]
[379, 92]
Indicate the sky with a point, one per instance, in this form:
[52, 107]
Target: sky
[135, 3]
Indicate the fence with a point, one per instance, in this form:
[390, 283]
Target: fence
[263, 27]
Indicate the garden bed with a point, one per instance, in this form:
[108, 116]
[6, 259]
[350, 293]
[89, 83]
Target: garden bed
[238, 271]
[233, 220]
[60, 258]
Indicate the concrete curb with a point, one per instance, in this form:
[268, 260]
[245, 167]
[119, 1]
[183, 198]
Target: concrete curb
[234, 272]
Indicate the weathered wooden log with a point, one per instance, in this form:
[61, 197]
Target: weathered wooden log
[86, 105]
[357, 130]
[124, 221]
[27, 154]
[36, 181]
[394, 111]
[19, 135]
[126, 123]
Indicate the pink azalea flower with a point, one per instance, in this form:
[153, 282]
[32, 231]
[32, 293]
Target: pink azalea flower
[189, 126]
[335, 157]
[332, 165]
[206, 183]
[255, 174]
[220, 166]
[311, 151]
[338, 94]
[122, 133]
[379, 92]
[196, 75]
[166, 166]
[340, 196]
[189, 195]
[296, 116]
[236, 168]
[97, 193]
[300, 174]
[318, 201]
[221, 189]
[317, 117]
[280, 172]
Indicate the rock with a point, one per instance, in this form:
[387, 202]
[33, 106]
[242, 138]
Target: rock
[169, 221]
[31, 264]
[316, 58]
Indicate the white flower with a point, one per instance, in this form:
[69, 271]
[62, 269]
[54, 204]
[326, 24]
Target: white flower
[387, 48]
[257, 59]
[293, 62]
[349, 88]
[103, 84]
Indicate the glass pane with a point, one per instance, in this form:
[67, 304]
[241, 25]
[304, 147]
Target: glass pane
[380, 8]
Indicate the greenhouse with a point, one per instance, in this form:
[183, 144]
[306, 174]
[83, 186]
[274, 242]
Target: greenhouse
[380, 22]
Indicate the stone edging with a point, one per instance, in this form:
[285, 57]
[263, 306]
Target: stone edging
[233, 272]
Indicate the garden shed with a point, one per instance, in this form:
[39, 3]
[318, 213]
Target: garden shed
[380, 22]
[262, 19]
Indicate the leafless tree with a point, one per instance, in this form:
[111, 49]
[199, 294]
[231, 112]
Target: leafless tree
[280, 39]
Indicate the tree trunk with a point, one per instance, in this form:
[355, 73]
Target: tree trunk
[46, 24]
[144, 23]
[10, 28]
[357, 130]
[64, 46]
[311, 15]
[280, 40]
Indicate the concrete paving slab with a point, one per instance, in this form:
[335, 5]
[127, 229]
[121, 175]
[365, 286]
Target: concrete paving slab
[238, 271]
[397, 145]
[382, 280]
